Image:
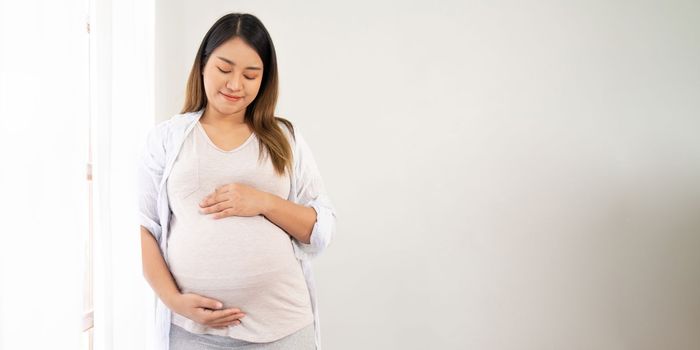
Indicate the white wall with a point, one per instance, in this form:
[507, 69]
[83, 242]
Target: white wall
[507, 175]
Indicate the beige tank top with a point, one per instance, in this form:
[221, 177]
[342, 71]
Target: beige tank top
[244, 262]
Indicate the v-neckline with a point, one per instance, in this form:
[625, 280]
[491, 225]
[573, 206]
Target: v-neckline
[211, 143]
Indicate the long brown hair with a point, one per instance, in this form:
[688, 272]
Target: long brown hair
[259, 115]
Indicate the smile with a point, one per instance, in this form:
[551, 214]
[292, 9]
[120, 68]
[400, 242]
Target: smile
[230, 98]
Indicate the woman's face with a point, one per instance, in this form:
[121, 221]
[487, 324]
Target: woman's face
[232, 76]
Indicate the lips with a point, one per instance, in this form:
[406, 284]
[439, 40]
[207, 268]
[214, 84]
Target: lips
[230, 97]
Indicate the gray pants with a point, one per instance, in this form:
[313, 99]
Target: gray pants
[181, 339]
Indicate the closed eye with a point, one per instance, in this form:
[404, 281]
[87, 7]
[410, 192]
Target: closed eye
[224, 71]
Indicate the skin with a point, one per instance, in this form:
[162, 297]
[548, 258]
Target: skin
[233, 69]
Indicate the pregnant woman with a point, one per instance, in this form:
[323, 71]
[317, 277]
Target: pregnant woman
[232, 206]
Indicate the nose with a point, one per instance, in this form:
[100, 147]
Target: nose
[234, 83]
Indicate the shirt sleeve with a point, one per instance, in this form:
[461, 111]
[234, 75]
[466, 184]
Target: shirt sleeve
[311, 192]
[151, 163]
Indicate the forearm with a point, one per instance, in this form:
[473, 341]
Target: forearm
[297, 220]
[155, 270]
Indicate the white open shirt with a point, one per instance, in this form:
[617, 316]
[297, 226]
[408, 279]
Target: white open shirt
[158, 155]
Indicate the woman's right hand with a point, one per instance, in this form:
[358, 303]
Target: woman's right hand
[206, 311]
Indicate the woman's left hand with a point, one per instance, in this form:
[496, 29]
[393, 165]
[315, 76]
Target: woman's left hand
[234, 200]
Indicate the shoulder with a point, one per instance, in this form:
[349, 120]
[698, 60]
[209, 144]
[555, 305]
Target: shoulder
[166, 130]
[300, 149]
[292, 131]
[294, 135]
[178, 122]
[288, 128]
[301, 152]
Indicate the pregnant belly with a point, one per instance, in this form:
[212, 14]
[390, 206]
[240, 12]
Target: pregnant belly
[235, 248]
[244, 262]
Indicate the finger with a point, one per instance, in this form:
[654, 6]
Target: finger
[209, 303]
[210, 316]
[218, 208]
[224, 316]
[228, 321]
[224, 325]
[231, 318]
[224, 213]
[234, 319]
[223, 188]
[211, 200]
[204, 202]
[211, 208]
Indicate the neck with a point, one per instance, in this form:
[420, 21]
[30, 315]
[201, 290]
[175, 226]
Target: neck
[213, 117]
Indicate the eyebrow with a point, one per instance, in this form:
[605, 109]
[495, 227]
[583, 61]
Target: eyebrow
[233, 64]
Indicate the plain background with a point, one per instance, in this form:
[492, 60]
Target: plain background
[507, 174]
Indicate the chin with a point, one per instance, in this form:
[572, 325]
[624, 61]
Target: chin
[226, 109]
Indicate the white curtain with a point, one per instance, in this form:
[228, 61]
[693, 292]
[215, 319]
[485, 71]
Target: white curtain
[53, 75]
[43, 186]
[123, 78]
